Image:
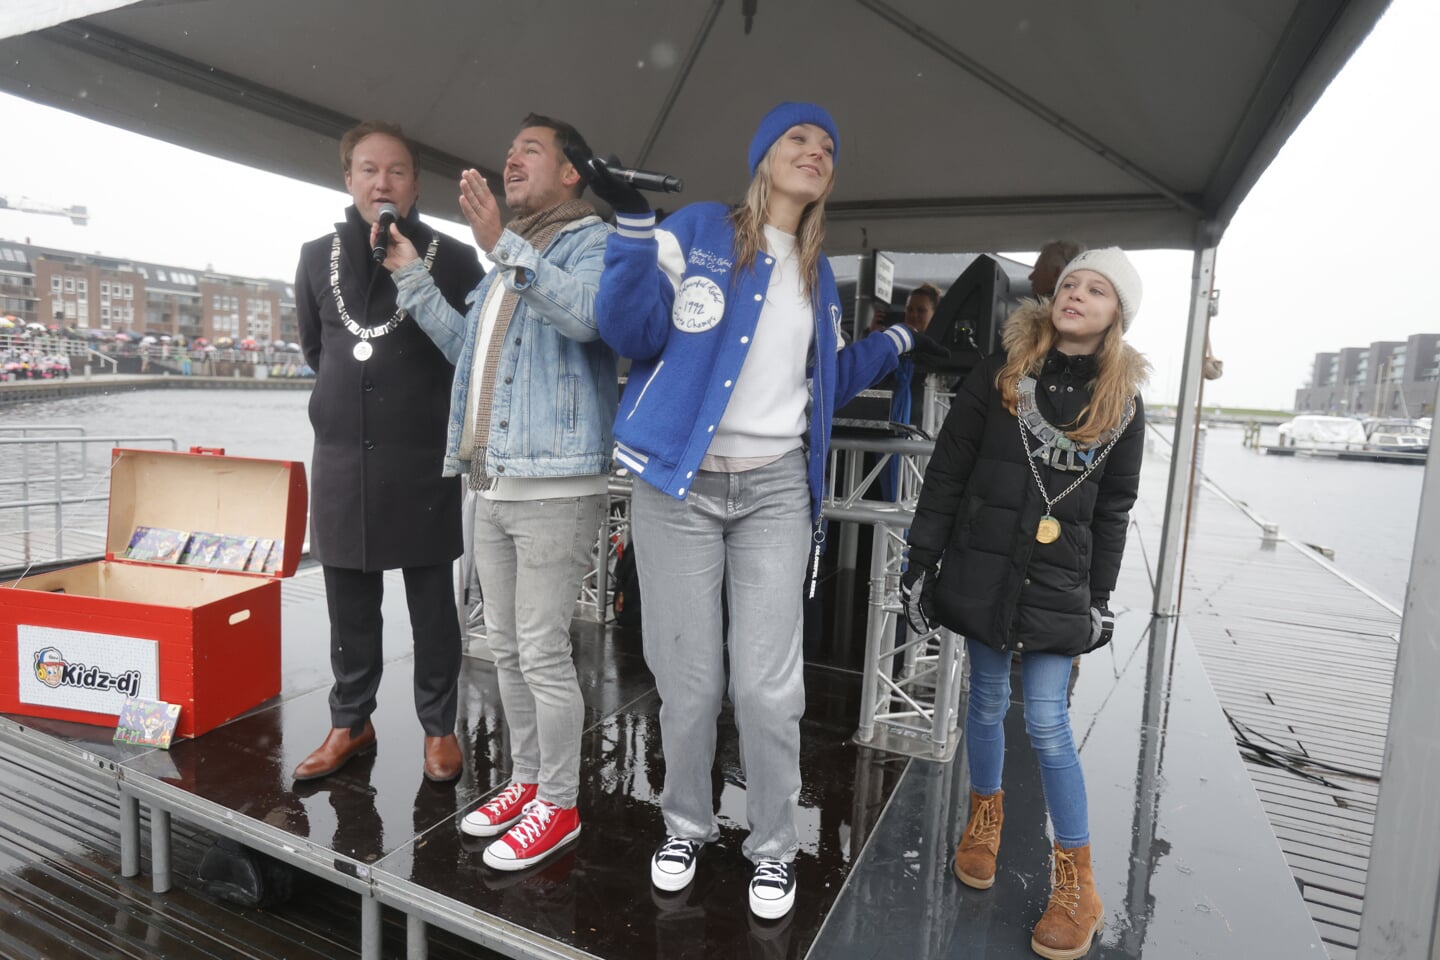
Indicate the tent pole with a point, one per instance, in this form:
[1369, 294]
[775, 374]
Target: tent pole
[1401, 916]
[1182, 452]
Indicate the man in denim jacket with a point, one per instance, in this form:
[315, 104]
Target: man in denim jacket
[531, 411]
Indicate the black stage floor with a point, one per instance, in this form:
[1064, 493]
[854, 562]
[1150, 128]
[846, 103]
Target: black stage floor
[1186, 862]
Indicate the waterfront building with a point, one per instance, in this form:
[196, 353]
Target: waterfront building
[1389, 378]
[86, 292]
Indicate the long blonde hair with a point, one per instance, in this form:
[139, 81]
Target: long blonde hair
[749, 220]
[1120, 372]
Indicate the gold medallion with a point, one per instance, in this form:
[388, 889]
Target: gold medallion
[1048, 531]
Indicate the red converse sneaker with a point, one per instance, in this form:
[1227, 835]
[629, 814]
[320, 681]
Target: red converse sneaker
[544, 829]
[501, 813]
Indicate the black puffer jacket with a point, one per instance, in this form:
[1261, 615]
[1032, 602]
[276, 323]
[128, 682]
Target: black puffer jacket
[980, 507]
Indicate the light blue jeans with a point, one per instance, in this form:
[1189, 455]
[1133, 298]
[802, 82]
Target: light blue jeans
[1044, 677]
[750, 530]
[531, 556]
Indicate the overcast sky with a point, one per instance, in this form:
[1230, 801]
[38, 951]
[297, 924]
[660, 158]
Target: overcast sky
[1340, 226]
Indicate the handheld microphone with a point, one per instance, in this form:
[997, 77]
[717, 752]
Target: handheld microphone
[645, 179]
[387, 214]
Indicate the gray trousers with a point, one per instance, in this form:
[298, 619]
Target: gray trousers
[531, 556]
[752, 530]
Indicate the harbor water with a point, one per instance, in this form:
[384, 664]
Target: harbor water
[1364, 512]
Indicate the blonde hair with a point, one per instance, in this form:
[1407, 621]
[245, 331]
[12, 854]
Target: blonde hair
[1114, 385]
[749, 221]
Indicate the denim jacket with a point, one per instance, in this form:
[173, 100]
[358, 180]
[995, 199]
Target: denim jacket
[556, 391]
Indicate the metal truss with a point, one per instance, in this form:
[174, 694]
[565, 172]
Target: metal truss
[911, 687]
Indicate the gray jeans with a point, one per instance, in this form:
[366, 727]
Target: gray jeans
[753, 530]
[531, 556]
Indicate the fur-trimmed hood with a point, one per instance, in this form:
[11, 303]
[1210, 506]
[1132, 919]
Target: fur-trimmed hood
[1029, 322]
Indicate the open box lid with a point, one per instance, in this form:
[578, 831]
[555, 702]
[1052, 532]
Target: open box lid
[206, 492]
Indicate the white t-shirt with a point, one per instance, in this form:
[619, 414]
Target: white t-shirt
[766, 415]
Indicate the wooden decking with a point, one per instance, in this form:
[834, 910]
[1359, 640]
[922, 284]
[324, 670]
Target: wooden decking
[1302, 660]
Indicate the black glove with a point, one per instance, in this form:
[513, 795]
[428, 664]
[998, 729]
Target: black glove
[622, 197]
[1102, 627]
[927, 347]
[917, 592]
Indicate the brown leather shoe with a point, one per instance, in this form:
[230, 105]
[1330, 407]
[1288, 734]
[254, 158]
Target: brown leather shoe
[338, 748]
[442, 758]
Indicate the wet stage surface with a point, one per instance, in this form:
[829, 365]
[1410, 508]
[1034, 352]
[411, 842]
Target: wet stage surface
[1185, 860]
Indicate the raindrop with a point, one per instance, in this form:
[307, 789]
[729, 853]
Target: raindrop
[1023, 26]
[663, 55]
[639, 64]
[83, 93]
[155, 106]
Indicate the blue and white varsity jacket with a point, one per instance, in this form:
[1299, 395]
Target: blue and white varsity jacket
[671, 301]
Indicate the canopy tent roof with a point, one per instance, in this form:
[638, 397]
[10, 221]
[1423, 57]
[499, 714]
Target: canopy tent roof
[964, 126]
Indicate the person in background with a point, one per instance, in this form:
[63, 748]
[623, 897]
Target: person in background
[732, 318]
[1016, 545]
[531, 406]
[1052, 259]
[377, 498]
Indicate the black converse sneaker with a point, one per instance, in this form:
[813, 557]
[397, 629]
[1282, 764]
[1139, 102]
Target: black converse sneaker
[673, 865]
[772, 889]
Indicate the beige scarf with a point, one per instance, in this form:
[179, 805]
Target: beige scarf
[538, 229]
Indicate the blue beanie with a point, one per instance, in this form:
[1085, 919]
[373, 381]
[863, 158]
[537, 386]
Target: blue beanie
[782, 118]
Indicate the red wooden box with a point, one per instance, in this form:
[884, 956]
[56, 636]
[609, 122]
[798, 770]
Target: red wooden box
[75, 642]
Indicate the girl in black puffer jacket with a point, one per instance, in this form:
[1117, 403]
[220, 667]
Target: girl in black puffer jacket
[1016, 545]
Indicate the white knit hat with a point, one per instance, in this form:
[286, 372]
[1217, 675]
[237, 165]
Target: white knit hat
[1112, 264]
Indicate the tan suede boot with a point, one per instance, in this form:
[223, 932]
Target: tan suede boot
[980, 843]
[1068, 927]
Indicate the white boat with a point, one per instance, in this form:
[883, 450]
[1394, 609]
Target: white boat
[1316, 432]
[1398, 436]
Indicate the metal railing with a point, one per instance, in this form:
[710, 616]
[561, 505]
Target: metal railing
[33, 349]
[54, 477]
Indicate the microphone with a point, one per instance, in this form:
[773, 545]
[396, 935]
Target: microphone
[388, 214]
[645, 179]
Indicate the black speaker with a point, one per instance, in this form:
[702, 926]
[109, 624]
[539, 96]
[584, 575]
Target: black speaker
[971, 315]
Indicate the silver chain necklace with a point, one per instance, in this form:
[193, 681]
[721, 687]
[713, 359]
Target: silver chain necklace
[363, 349]
[1048, 531]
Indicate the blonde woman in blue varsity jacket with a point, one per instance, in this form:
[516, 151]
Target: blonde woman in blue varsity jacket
[732, 320]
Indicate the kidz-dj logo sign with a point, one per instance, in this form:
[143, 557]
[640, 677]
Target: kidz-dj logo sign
[53, 670]
[83, 670]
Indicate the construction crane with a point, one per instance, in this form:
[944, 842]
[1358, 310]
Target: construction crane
[78, 215]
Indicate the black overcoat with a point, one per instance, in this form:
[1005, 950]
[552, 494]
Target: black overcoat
[980, 506]
[377, 497]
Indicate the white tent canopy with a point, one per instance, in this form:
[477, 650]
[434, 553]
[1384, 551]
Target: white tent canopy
[964, 125]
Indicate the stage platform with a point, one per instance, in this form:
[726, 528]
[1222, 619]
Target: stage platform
[1186, 861]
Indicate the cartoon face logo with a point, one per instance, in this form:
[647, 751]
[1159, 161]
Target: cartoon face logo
[699, 305]
[49, 666]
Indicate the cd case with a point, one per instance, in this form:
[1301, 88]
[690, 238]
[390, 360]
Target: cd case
[147, 722]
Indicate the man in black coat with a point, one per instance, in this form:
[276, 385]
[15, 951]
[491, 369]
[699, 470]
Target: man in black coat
[380, 411]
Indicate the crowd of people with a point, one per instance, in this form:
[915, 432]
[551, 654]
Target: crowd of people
[432, 376]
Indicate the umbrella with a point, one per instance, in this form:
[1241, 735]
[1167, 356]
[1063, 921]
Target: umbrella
[209, 348]
[165, 338]
[35, 326]
[200, 342]
[294, 346]
[6, 323]
[248, 344]
[147, 340]
[122, 335]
